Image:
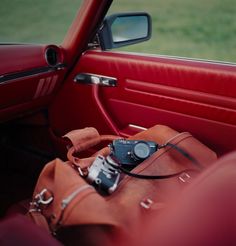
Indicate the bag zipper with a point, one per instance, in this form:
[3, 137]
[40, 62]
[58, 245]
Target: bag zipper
[65, 202]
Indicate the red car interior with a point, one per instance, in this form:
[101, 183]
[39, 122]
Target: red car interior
[28, 77]
[41, 100]
[186, 95]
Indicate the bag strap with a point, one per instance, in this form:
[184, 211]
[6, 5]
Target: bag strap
[81, 140]
[88, 137]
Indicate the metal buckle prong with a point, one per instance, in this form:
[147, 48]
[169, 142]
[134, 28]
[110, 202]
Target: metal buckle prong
[40, 198]
[80, 171]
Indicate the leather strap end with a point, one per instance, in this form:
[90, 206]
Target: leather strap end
[83, 139]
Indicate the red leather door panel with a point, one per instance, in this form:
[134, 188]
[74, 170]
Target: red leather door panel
[27, 81]
[187, 95]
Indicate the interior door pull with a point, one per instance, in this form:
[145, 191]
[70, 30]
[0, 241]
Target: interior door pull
[93, 79]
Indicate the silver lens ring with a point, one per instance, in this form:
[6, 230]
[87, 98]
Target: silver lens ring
[141, 150]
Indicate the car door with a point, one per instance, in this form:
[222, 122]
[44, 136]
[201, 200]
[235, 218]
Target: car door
[187, 94]
[33, 64]
[29, 76]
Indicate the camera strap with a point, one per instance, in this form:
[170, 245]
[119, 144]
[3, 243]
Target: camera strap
[173, 146]
[182, 152]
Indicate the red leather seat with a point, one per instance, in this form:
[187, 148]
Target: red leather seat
[19, 230]
[204, 215]
[21, 207]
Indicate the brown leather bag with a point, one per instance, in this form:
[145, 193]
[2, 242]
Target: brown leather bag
[64, 199]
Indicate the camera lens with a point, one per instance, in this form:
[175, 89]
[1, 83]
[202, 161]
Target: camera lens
[141, 150]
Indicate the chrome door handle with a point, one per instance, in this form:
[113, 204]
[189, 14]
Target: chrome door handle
[90, 79]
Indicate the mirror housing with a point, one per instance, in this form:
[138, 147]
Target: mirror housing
[124, 29]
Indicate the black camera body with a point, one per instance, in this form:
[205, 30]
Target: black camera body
[103, 175]
[132, 152]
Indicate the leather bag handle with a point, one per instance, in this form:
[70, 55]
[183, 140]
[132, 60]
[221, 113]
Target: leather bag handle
[84, 139]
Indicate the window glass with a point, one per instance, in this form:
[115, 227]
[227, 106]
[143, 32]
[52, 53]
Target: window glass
[43, 21]
[188, 28]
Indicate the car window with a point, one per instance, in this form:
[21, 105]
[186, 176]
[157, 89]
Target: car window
[187, 28]
[27, 21]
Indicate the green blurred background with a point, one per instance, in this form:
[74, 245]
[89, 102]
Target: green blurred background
[190, 28]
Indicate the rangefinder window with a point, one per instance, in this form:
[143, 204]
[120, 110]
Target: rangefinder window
[103, 176]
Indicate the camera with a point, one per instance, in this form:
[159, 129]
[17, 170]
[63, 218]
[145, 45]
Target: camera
[132, 152]
[103, 175]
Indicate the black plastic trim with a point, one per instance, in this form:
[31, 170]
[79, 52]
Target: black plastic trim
[52, 56]
[36, 71]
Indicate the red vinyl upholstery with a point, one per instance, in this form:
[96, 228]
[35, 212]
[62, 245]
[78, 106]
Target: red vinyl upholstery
[203, 215]
[19, 230]
[196, 96]
[24, 92]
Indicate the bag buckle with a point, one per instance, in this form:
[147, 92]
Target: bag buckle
[40, 197]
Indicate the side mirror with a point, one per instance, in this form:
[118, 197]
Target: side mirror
[124, 29]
